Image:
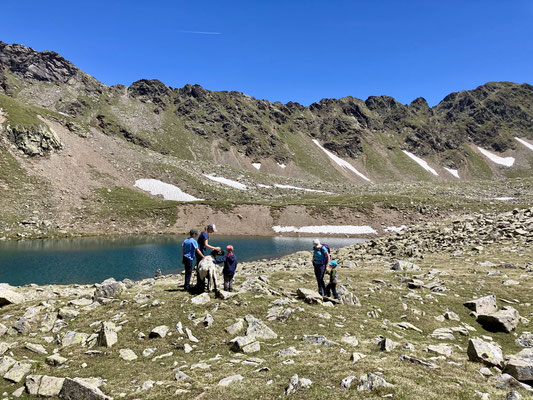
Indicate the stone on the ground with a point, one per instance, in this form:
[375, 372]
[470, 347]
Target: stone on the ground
[55, 359]
[22, 326]
[109, 288]
[318, 340]
[387, 345]
[251, 348]
[68, 313]
[6, 363]
[43, 385]
[482, 305]
[506, 381]
[442, 349]
[201, 299]
[107, 336]
[443, 334]
[418, 361]
[159, 332]
[230, 379]
[356, 357]
[351, 340]
[520, 369]
[36, 348]
[148, 352]
[308, 295]
[180, 376]
[525, 339]
[224, 295]
[258, 329]
[240, 342]
[19, 392]
[190, 336]
[346, 383]
[81, 389]
[489, 354]
[73, 337]
[18, 371]
[513, 396]
[235, 328]
[451, 316]
[505, 320]
[370, 382]
[346, 296]
[127, 354]
[403, 265]
[293, 385]
[10, 297]
[208, 320]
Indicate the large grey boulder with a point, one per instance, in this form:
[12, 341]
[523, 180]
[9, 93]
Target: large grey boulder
[370, 382]
[230, 379]
[346, 296]
[519, 369]
[43, 385]
[201, 299]
[403, 265]
[505, 320]
[10, 297]
[483, 305]
[81, 389]
[308, 295]
[109, 288]
[159, 332]
[6, 363]
[258, 329]
[506, 381]
[18, 371]
[107, 336]
[489, 354]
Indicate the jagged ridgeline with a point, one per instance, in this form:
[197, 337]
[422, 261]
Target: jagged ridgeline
[482, 133]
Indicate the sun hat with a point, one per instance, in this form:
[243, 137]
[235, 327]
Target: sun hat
[316, 243]
[333, 263]
[212, 226]
[229, 248]
[193, 232]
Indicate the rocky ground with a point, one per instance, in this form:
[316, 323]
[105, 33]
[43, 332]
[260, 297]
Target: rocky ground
[439, 311]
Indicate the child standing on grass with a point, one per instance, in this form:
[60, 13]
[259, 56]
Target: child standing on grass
[332, 285]
[230, 266]
[189, 251]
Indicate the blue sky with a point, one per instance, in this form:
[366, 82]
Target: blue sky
[289, 50]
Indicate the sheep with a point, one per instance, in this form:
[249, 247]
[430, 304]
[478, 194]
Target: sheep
[208, 269]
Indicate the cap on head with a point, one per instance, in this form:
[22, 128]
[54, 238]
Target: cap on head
[212, 226]
[229, 248]
[193, 232]
[333, 263]
[316, 243]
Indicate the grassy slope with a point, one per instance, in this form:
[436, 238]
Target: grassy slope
[325, 366]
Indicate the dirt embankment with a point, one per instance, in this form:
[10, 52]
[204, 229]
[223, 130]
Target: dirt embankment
[260, 219]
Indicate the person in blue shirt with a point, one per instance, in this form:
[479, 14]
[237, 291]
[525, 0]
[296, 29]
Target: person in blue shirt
[230, 266]
[321, 259]
[189, 251]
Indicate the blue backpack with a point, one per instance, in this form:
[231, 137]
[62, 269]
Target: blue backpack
[329, 252]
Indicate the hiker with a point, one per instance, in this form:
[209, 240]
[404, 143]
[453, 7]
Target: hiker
[203, 240]
[321, 258]
[190, 250]
[332, 285]
[230, 266]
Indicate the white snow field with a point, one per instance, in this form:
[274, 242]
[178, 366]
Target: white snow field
[503, 198]
[282, 166]
[168, 191]
[421, 162]
[256, 165]
[328, 229]
[339, 161]
[264, 186]
[454, 172]
[507, 161]
[395, 228]
[227, 182]
[527, 144]
[299, 188]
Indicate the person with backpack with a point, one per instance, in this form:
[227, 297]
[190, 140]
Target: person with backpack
[230, 266]
[189, 250]
[321, 258]
[332, 285]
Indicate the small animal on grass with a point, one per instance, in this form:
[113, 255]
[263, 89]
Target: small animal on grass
[207, 269]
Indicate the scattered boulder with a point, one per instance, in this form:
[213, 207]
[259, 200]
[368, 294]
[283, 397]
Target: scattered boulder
[36, 348]
[127, 355]
[525, 339]
[483, 305]
[55, 360]
[403, 265]
[236, 327]
[43, 385]
[505, 320]
[520, 369]
[506, 381]
[109, 288]
[159, 332]
[318, 340]
[201, 299]
[296, 383]
[81, 389]
[346, 383]
[309, 296]
[346, 296]
[10, 297]
[258, 329]
[370, 382]
[387, 345]
[351, 340]
[230, 379]
[489, 354]
[107, 336]
[441, 349]
[73, 337]
[18, 371]
[22, 326]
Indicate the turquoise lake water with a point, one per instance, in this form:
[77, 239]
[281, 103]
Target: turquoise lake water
[90, 260]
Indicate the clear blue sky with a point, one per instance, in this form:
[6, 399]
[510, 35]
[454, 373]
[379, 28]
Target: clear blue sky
[299, 50]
